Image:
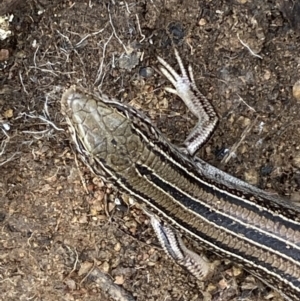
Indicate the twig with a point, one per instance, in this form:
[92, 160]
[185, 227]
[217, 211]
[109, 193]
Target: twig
[127, 7]
[21, 80]
[99, 72]
[10, 158]
[250, 50]
[80, 174]
[45, 120]
[237, 144]
[114, 31]
[244, 102]
[75, 264]
[140, 30]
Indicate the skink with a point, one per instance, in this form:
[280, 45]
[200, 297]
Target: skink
[224, 214]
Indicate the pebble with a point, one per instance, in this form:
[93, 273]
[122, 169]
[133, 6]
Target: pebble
[296, 90]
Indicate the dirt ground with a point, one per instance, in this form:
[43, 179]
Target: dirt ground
[64, 234]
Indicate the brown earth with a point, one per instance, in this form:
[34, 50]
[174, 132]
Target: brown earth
[57, 220]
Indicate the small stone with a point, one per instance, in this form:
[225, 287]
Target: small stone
[102, 217]
[267, 75]
[69, 297]
[85, 268]
[70, 284]
[94, 211]
[243, 121]
[90, 187]
[129, 61]
[8, 113]
[117, 247]
[250, 283]
[119, 280]
[296, 160]
[236, 271]
[131, 225]
[6, 126]
[251, 177]
[211, 287]
[295, 197]
[83, 219]
[163, 104]
[206, 296]
[4, 55]
[111, 206]
[223, 284]
[296, 90]
[202, 22]
[105, 267]
[21, 54]
[146, 72]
